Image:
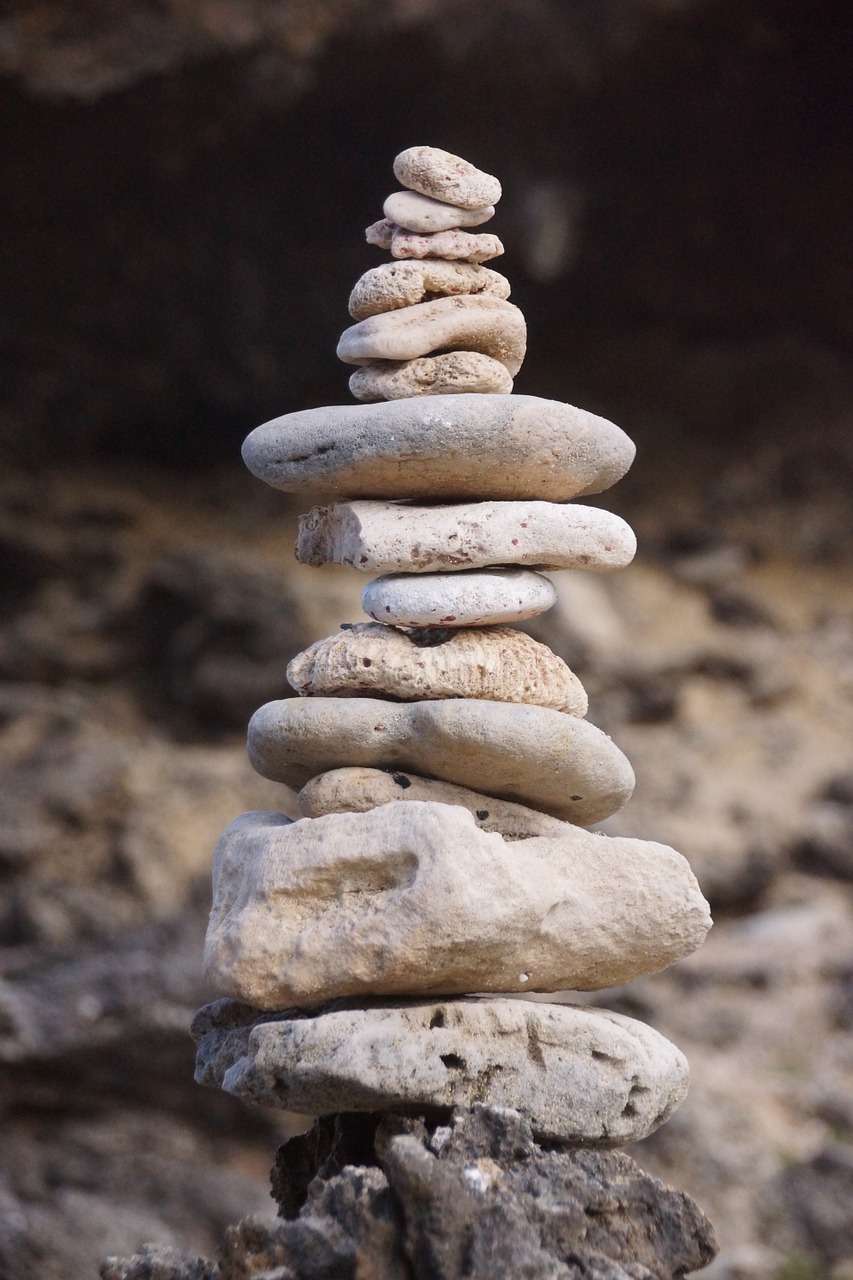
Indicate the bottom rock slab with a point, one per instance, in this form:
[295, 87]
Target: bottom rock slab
[582, 1076]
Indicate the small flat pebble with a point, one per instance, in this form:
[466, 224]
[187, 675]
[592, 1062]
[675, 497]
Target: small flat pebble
[423, 214]
[444, 176]
[462, 246]
[403, 284]
[453, 373]
[470, 598]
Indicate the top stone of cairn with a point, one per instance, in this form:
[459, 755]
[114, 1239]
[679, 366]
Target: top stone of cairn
[444, 176]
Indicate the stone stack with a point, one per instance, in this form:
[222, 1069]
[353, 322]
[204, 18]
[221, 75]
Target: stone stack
[368, 953]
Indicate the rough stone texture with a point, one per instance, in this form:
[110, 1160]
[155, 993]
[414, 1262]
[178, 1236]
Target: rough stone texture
[582, 1076]
[403, 284]
[454, 373]
[539, 757]
[356, 790]
[498, 664]
[466, 322]
[383, 537]
[422, 214]
[461, 246]
[159, 1262]
[444, 176]
[476, 598]
[415, 899]
[462, 446]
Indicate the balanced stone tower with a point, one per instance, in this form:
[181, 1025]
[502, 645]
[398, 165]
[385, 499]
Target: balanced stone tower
[371, 954]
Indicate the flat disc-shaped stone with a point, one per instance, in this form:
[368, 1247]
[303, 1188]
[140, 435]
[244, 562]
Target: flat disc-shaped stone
[470, 598]
[583, 1076]
[455, 446]
[538, 757]
[413, 899]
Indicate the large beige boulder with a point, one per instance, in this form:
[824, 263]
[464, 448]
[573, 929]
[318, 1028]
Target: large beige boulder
[538, 757]
[415, 900]
[579, 1075]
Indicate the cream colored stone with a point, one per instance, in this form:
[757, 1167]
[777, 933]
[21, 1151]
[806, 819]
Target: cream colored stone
[385, 537]
[542, 758]
[579, 1075]
[357, 790]
[413, 899]
[444, 176]
[423, 214]
[462, 246]
[457, 446]
[453, 373]
[497, 664]
[466, 323]
[469, 598]
[403, 284]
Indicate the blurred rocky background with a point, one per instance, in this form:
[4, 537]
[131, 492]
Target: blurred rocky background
[183, 189]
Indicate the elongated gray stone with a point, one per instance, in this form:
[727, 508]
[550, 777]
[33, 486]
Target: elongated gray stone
[469, 598]
[413, 899]
[445, 176]
[456, 446]
[538, 757]
[385, 537]
[423, 214]
[579, 1075]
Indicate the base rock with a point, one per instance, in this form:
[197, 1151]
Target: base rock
[402, 1199]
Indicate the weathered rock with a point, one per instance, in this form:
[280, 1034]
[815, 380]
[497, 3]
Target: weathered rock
[453, 373]
[414, 899]
[444, 176]
[467, 322]
[423, 214]
[499, 664]
[469, 598]
[579, 1075]
[539, 757]
[384, 537]
[160, 1262]
[474, 446]
[403, 284]
[463, 246]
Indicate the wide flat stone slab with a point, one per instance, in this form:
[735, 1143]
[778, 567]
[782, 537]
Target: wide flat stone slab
[538, 757]
[467, 598]
[578, 1075]
[496, 663]
[387, 537]
[356, 790]
[455, 446]
[413, 899]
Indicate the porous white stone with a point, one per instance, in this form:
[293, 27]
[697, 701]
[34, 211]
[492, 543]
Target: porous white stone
[356, 790]
[444, 176]
[543, 758]
[462, 246]
[423, 214]
[495, 663]
[579, 1075]
[452, 373]
[405, 283]
[413, 899]
[469, 598]
[457, 446]
[465, 323]
[385, 537]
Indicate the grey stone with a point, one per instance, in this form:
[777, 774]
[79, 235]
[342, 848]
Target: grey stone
[423, 214]
[472, 598]
[452, 373]
[460, 246]
[405, 283]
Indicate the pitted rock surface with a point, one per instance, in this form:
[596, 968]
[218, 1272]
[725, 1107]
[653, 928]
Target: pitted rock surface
[496, 663]
[460, 246]
[444, 176]
[458, 446]
[384, 537]
[467, 322]
[533, 755]
[423, 214]
[414, 899]
[405, 283]
[357, 790]
[579, 1075]
[453, 373]
[469, 598]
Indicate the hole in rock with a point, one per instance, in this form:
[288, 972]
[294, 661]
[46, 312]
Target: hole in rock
[452, 1061]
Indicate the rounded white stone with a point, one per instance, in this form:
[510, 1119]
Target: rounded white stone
[423, 214]
[470, 598]
[453, 373]
[538, 757]
[444, 176]
[385, 537]
[405, 283]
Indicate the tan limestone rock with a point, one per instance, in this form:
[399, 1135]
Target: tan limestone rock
[445, 176]
[453, 373]
[462, 246]
[405, 283]
[542, 758]
[414, 899]
[423, 214]
[496, 663]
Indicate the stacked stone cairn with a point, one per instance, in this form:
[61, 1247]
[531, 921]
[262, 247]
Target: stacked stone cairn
[371, 954]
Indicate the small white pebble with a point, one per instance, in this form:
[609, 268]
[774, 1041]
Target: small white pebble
[524, 977]
[477, 1179]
